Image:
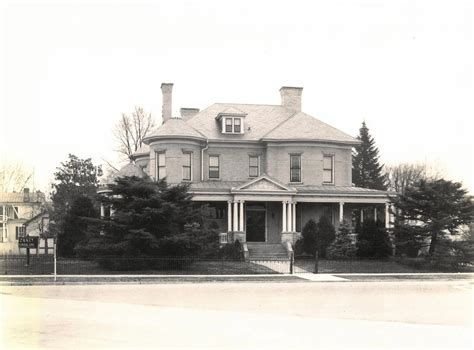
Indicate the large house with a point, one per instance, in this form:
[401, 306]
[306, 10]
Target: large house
[21, 214]
[263, 170]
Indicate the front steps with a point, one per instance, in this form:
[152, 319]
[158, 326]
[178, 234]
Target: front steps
[264, 251]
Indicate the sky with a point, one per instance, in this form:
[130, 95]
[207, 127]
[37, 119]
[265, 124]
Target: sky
[69, 69]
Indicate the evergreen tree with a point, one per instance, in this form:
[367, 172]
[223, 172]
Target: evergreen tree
[366, 169]
[74, 228]
[149, 219]
[326, 233]
[342, 247]
[432, 209]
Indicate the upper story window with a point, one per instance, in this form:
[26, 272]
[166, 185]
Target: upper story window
[295, 167]
[254, 165]
[232, 125]
[20, 231]
[187, 166]
[328, 169]
[214, 167]
[160, 165]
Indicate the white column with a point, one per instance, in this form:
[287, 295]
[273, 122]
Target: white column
[290, 225]
[229, 216]
[102, 210]
[236, 217]
[362, 216]
[375, 214]
[283, 217]
[241, 216]
[341, 211]
[294, 217]
[387, 215]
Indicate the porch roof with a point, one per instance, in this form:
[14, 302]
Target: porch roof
[226, 187]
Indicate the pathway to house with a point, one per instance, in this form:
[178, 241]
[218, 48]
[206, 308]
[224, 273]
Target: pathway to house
[239, 315]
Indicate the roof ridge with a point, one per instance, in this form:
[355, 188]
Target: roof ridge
[277, 126]
[247, 104]
[319, 120]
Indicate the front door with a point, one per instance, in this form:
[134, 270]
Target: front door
[256, 218]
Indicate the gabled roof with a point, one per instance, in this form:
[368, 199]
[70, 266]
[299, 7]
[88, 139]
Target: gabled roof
[175, 127]
[264, 183]
[231, 111]
[303, 127]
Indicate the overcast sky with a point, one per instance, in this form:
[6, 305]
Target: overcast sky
[70, 68]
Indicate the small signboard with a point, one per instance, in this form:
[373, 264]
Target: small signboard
[28, 242]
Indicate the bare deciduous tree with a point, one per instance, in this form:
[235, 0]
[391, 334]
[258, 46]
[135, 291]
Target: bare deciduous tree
[15, 176]
[131, 130]
[400, 176]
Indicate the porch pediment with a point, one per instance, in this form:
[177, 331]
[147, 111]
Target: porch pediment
[264, 184]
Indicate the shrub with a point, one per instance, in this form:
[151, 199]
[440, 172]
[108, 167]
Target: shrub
[342, 247]
[309, 237]
[373, 241]
[298, 247]
[231, 251]
[326, 233]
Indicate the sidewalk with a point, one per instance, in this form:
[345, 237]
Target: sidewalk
[284, 278]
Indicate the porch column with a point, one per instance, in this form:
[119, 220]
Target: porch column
[290, 217]
[283, 217]
[375, 214]
[362, 216]
[236, 217]
[102, 210]
[387, 215]
[341, 211]
[229, 216]
[241, 222]
[294, 217]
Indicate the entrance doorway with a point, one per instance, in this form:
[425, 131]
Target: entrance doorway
[256, 222]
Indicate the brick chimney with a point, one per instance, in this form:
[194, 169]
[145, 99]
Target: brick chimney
[26, 194]
[167, 90]
[291, 97]
[188, 113]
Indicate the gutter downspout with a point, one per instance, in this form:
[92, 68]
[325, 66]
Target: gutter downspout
[202, 159]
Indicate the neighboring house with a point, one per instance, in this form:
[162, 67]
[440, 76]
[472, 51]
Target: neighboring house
[263, 170]
[21, 214]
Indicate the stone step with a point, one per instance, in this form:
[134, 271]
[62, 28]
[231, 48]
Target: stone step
[264, 251]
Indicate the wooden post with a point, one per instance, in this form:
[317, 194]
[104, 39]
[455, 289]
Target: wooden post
[316, 260]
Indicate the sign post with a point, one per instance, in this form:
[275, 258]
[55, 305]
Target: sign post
[28, 242]
[54, 253]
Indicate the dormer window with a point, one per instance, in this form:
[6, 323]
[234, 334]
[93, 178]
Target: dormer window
[231, 121]
[232, 125]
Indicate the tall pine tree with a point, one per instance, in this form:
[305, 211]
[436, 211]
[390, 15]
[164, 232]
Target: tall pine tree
[366, 169]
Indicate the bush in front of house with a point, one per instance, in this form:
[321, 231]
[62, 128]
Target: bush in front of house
[342, 247]
[373, 241]
[309, 233]
[318, 236]
[231, 251]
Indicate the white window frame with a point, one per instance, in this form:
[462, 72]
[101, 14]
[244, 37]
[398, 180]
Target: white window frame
[224, 124]
[301, 167]
[218, 167]
[258, 166]
[190, 154]
[332, 169]
[158, 166]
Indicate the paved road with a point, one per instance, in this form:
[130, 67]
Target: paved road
[239, 315]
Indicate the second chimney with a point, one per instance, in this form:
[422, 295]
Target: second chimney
[291, 97]
[167, 90]
[188, 113]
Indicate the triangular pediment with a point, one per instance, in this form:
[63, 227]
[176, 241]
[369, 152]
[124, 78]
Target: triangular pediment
[264, 183]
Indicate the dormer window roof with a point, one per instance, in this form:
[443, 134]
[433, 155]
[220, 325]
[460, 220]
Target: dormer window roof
[232, 121]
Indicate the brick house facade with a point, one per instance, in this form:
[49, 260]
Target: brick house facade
[263, 170]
